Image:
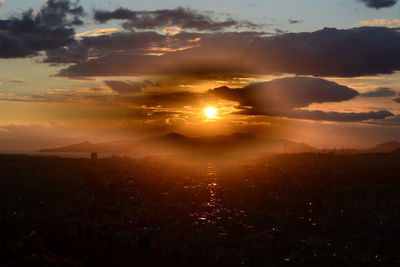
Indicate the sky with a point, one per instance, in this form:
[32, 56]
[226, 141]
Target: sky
[323, 72]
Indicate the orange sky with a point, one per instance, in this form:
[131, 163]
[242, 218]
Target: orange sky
[157, 74]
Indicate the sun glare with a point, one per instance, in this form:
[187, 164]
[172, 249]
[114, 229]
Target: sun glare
[211, 112]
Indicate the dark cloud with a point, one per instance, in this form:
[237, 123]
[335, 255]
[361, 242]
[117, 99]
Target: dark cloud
[30, 32]
[113, 65]
[392, 121]
[319, 115]
[279, 31]
[127, 87]
[209, 54]
[283, 97]
[331, 52]
[185, 18]
[380, 92]
[328, 52]
[339, 116]
[287, 93]
[294, 21]
[73, 53]
[377, 4]
[119, 43]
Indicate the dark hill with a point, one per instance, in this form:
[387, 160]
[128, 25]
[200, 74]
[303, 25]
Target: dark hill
[175, 141]
[385, 147]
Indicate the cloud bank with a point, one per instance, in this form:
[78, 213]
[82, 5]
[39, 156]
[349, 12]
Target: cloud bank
[327, 52]
[50, 28]
[284, 97]
[199, 45]
[291, 92]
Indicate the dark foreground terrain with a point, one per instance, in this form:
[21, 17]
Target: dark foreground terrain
[303, 209]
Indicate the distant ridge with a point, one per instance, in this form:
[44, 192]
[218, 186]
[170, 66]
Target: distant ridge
[385, 147]
[176, 141]
[80, 147]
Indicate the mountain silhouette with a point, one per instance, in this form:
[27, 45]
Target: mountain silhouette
[385, 147]
[177, 142]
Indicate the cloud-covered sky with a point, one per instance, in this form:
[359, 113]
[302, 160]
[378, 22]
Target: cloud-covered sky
[127, 70]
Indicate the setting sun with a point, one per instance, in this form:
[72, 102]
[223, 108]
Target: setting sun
[211, 112]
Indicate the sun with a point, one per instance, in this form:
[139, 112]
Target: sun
[211, 112]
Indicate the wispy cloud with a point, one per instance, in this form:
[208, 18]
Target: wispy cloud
[389, 23]
[183, 17]
[17, 80]
[97, 32]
